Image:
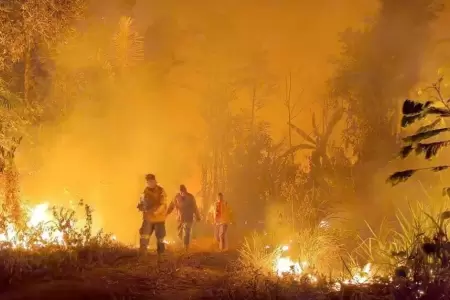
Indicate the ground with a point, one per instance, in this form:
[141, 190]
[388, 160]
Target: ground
[197, 274]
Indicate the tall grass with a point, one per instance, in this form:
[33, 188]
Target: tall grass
[416, 244]
[257, 255]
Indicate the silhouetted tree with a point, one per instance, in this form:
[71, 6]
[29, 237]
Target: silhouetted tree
[375, 71]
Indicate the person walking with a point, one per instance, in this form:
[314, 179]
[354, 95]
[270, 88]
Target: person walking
[186, 208]
[221, 216]
[153, 206]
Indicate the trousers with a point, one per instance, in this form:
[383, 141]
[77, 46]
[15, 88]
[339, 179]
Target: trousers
[184, 232]
[220, 233]
[146, 231]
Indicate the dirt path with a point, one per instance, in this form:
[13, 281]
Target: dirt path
[178, 276]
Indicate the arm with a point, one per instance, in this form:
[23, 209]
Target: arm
[163, 206]
[141, 205]
[196, 212]
[211, 214]
[171, 206]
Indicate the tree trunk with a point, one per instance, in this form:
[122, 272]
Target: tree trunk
[27, 72]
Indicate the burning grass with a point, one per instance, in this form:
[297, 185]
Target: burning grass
[52, 242]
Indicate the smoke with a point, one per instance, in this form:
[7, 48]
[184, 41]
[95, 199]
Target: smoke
[119, 123]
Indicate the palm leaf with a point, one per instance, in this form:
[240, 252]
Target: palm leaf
[429, 127]
[128, 44]
[431, 149]
[303, 134]
[424, 135]
[411, 107]
[410, 119]
[401, 176]
[314, 125]
[337, 115]
[296, 148]
[406, 150]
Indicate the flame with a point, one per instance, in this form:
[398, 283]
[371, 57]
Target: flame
[362, 276]
[284, 265]
[38, 217]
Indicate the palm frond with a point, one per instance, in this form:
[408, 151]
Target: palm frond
[408, 120]
[429, 126]
[296, 148]
[406, 150]
[401, 176]
[335, 118]
[128, 44]
[431, 149]
[414, 111]
[303, 134]
[411, 107]
[423, 135]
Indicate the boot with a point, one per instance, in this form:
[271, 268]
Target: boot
[142, 251]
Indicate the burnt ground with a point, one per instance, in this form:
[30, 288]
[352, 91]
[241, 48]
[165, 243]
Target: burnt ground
[198, 274]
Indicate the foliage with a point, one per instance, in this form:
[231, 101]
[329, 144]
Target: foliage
[240, 158]
[414, 111]
[128, 44]
[360, 85]
[62, 231]
[256, 256]
[31, 22]
[416, 249]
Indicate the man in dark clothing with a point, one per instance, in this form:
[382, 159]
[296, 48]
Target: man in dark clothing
[153, 206]
[186, 208]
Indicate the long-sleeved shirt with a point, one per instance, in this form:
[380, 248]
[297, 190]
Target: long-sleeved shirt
[220, 213]
[186, 208]
[153, 204]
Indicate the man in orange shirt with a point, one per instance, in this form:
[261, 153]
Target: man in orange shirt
[221, 216]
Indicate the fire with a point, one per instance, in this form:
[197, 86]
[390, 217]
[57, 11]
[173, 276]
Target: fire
[40, 230]
[362, 276]
[284, 265]
[38, 216]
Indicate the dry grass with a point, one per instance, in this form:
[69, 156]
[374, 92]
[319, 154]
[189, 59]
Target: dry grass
[254, 255]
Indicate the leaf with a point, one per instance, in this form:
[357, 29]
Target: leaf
[424, 135]
[431, 149]
[406, 151]
[439, 168]
[337, 115]
[446, 191]
[429, 126]
[411, 107]
[314, 125]
[299, 147]
[408, 120]
[443, 112]
[301, 133]
[400, 176]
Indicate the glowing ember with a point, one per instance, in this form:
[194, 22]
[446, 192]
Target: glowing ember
[361, 277]
[285, 265]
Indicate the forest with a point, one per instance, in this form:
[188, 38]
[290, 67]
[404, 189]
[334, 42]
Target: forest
[325, 132]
